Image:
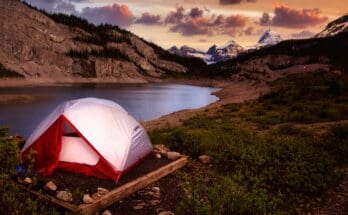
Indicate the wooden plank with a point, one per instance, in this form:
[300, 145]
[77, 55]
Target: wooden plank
[46, 197]
[131, 187]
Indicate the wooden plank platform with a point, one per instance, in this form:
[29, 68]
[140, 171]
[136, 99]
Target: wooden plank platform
[115, 194]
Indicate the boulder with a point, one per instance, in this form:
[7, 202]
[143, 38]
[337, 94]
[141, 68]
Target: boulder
[173, 155]
[27, 180]
[154, 202]
[160, 148]
[102, 191]
[51, 186]
[139, 206]
[158, 155]
[64, 196]
[106, 212]
[205, 159]
[166, 213]
[87, 199]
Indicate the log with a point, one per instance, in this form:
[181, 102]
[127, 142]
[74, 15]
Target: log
[131, 187]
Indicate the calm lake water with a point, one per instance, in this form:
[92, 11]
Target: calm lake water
[142, 101]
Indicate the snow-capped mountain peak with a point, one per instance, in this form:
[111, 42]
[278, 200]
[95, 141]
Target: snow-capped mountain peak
[269, 37]
[221, 53]
[186, 51]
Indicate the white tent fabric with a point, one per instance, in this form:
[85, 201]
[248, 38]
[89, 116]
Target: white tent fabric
[110, 130]
[75, 150]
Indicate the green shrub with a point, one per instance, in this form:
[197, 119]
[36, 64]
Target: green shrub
[12, 199]
[336, 143]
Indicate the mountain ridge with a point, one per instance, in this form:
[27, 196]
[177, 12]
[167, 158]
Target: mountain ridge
[58, 47]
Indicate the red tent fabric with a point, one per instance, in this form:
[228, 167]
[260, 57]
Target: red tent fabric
[108, 140]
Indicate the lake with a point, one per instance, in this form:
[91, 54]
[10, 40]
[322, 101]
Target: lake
[142, 101]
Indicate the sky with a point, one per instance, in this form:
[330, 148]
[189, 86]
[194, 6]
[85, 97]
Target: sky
[203, 23]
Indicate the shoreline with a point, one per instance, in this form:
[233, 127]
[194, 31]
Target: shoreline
[230, 91]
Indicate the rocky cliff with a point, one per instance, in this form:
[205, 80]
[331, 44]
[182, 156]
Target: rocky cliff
[63, 48]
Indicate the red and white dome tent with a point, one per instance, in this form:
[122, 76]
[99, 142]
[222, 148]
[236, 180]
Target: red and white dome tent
[95, 137]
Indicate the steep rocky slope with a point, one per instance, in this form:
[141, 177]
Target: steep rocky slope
[37, 45]
[337, 26]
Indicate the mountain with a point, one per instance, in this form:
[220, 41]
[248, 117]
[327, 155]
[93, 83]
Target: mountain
[337, 26]
[269, 37]
[56, 47]
[213, 55]
[326, 54]
[230, 50]
[222, 53]
[186, 51]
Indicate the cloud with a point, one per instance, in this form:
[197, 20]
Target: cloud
[198, 21]
[196, 12]
[194, 26]
[229, 2]
[235, 21]
[249, 31]
[175, 16]
[55, 6]
[114, 14]
[149, 19]
[303, 34]
[265, 19]
[293, 18]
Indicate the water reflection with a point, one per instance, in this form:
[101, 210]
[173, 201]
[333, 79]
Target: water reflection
[143, 101]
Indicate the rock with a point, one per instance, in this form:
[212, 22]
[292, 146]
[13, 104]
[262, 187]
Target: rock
[156, 189]
[106, 212]
[154, 202]
[155, 192]
[87, 199]
[51, 186]
[205, 159]
[160, 148]
[96, 196]
[166, 213]
[27, 180]
[139, 206]
[158, 155]
[102, 191]
[64, 196]
[173, 155]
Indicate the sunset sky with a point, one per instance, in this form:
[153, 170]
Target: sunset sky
[202, 23]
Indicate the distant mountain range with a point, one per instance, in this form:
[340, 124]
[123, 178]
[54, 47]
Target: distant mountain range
[232, 49]
[228, 51]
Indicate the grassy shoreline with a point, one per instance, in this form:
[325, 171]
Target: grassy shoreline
[270, 156]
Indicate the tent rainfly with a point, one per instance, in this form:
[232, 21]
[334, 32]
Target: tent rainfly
[95, 137]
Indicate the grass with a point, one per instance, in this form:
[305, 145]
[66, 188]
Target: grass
[306, 98]
[260, 168]
[12, 200]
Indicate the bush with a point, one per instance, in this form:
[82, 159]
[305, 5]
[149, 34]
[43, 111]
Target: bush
[105, 52]
[267, 172]
[336, 143]
[12, 199]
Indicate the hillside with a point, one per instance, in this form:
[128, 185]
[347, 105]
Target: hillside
[291, 56]
[56, 47]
